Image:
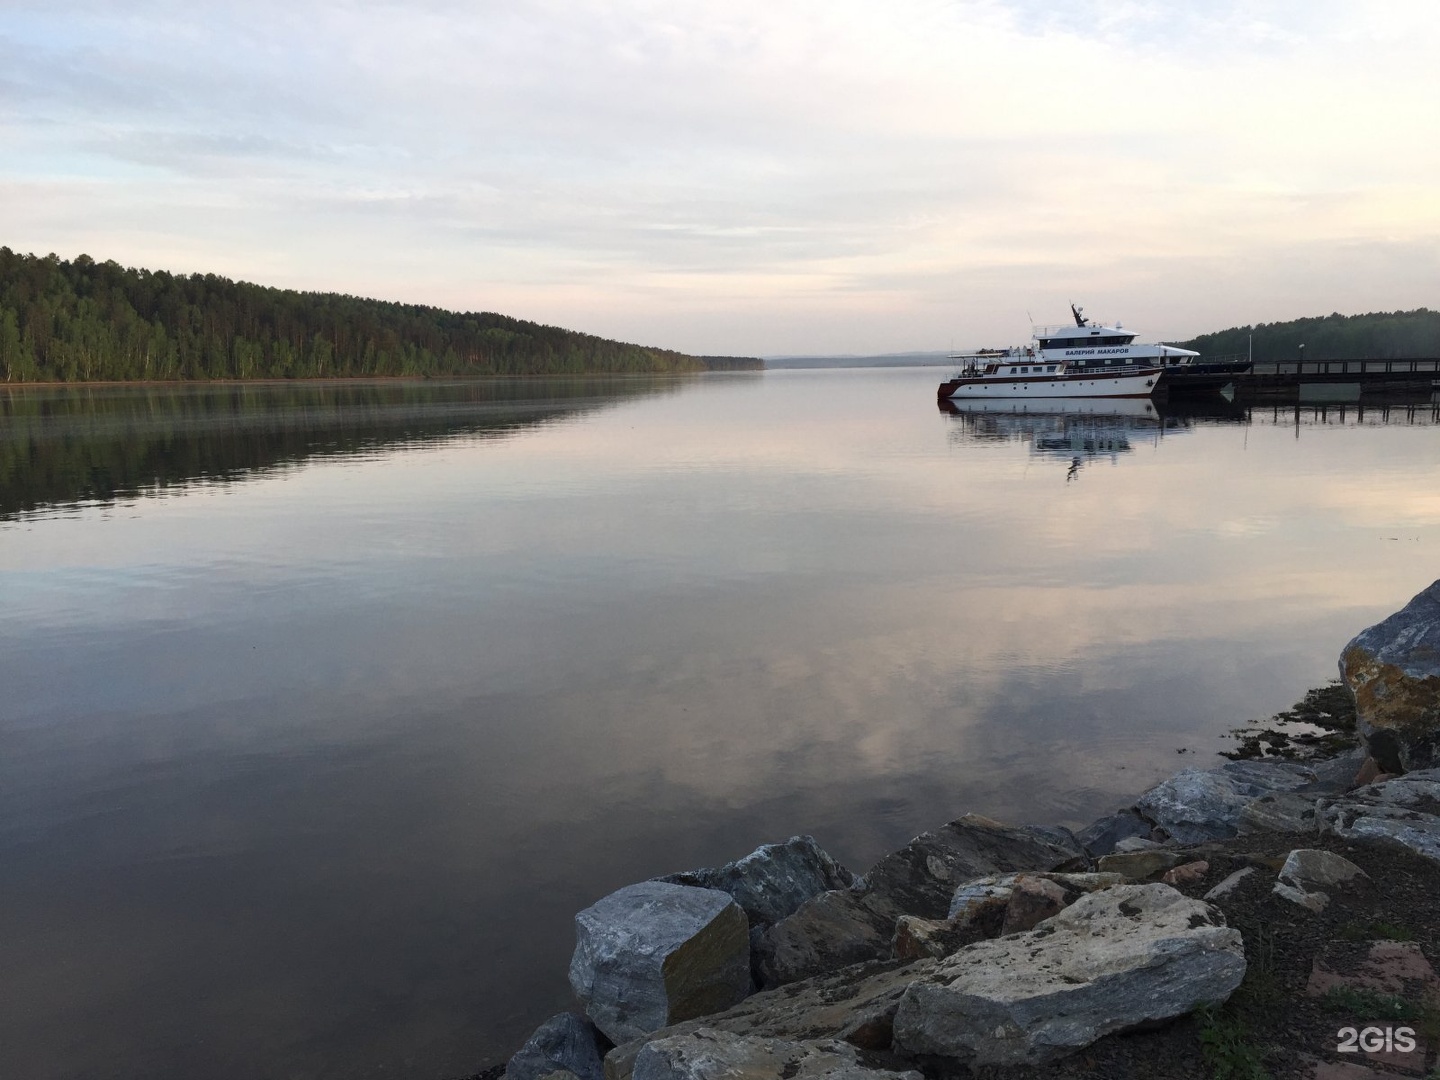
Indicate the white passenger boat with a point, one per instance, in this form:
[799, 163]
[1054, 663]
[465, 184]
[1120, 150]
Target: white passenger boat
[1084, 360]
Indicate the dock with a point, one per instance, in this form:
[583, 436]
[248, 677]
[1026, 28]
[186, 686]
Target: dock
[1335, 379]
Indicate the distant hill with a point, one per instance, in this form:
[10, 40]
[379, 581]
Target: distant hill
[87, 321]
[923, 359]
[1380, 336]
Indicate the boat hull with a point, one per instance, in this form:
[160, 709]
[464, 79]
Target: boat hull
[1133, 383]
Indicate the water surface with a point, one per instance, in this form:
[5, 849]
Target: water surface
[326, 708]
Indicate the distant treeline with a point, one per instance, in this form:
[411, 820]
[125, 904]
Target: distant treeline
[86, 321]
[1378, 336]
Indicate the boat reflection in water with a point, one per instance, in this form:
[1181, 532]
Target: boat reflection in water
[1074, 430]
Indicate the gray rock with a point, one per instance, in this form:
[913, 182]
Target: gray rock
[654, 953]
[1194, 805]
[1102, 836]
[1135, 843]
[1336, 775]
[565, 1042]
[1033, 900]
[832, 931]
[982, 902]
[1312, 868]
[1392, 826]
[720, 1055]
[1402, 812]
[774, 879]
[1128, 956]
[839, 928]
[1420, 790]
[921, 877]
[1309, 872]
[1283, 812]
[856, 1005]
[1393, 669]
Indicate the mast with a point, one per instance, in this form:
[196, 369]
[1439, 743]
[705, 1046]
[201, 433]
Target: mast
[1080, 319]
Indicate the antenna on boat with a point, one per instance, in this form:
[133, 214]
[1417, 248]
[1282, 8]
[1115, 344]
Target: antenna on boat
[1078, 312]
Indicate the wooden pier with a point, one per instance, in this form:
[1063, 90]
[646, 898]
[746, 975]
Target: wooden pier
[1409, 375]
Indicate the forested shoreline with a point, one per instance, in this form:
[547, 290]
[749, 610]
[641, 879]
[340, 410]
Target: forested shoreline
[1381, 335]
[85, 321]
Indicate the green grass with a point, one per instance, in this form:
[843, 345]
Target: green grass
[1227, 1040]
[1376, 931]
[1371, 1004]
[1227, 1046]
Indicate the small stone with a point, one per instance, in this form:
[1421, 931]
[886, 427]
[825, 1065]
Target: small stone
[1186, 874]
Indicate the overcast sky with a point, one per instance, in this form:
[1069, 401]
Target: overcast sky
[747, 177]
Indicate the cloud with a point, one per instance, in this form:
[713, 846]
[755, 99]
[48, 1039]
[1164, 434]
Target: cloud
[773, 177]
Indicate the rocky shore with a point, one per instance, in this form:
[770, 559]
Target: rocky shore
[1264, 918]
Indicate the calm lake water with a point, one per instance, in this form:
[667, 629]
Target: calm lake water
[325, 708]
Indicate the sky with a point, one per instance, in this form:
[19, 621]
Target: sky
[753, 177]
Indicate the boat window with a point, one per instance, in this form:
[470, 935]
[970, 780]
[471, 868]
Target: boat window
[1051, 367]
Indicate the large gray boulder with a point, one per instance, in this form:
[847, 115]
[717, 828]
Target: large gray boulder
[847, 927]
[1403, 813]
[1100, 837]
[774, 879]
[564, 1042]
[1393, 669]
[834, 930]
[650, 954]
[1196, 805]
[1114, 960]
[719, 1055]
